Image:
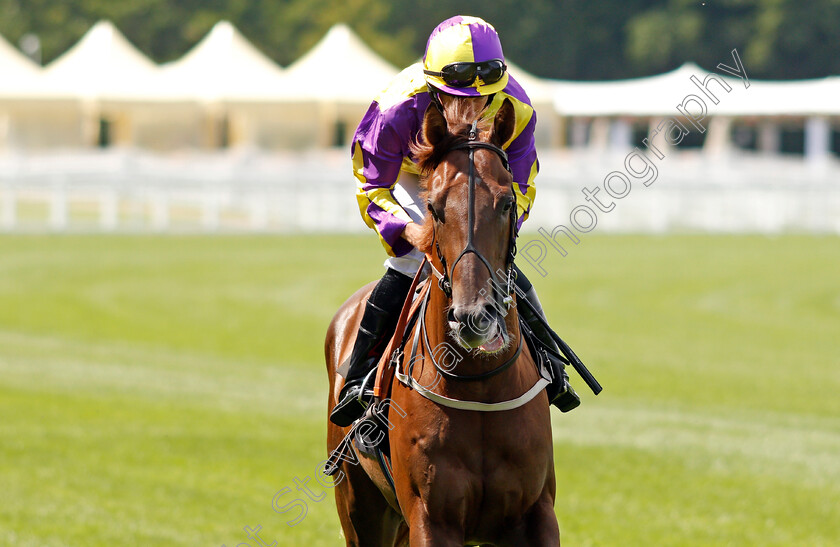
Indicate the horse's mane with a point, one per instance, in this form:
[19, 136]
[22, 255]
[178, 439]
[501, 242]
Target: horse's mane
[459, 114]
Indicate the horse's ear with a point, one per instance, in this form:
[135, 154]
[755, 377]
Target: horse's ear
[434, 125]
[503, 124]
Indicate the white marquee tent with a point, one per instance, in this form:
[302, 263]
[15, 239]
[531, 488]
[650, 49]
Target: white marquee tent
[613, 104]
[31, 114]
[329, 88]
[223, 70]
[103, 65]
[660, 94]
[224, 65]
[796, 98]
[122, 95]
[541, 94]
[20, 74]
[340, 68]
[224, 91]
[649, 96]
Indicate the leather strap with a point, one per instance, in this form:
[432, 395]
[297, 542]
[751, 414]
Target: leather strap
[382, 388]
[477, 406]
[407, 379]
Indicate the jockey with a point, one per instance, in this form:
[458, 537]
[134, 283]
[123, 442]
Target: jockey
[463, 59]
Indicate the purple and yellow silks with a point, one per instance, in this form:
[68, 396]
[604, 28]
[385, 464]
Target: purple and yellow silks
[380, 150]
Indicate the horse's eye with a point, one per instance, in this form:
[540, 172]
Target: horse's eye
[508, 204]
[432, 210]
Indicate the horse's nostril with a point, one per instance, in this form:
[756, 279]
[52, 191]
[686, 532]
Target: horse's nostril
[450, 316]
[485, 318]
[477, 320]
[489, 311]
[461, 316]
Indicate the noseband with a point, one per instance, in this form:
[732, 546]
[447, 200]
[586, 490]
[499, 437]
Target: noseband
[445, 279]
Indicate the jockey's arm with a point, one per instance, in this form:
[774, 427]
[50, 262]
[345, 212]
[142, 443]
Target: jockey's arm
[522, 154]
[414, 234]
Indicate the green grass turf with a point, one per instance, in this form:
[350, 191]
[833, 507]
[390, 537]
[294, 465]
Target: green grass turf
[160, 390]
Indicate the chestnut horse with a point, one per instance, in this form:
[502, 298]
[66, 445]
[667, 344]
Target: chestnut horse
[471, 447]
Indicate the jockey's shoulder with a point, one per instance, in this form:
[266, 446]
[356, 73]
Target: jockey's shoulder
[404, 86]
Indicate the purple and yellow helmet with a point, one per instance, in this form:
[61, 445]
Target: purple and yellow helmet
[464, 57]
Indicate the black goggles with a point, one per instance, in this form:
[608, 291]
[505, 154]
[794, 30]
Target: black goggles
[464, 74]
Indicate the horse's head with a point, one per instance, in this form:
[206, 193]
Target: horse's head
[472, 219]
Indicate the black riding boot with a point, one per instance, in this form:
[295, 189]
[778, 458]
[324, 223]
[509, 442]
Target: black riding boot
[376, 328]
[560, 392]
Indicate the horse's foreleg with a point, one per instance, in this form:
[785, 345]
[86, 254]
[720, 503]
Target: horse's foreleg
[424, 533]
[423, 536]
[542, 528]
[538, 527]
[366, 518]
[402, 536]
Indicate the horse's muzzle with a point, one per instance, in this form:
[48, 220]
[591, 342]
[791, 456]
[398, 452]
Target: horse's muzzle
[478, 327]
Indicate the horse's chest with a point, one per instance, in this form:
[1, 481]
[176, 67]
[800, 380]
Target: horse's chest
[473, 468]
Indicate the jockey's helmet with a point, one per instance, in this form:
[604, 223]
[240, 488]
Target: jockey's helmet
[464, 57]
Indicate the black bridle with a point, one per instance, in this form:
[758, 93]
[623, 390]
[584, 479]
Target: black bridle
[445, 283]
[445, 280]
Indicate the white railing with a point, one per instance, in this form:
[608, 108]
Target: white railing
[133, 191]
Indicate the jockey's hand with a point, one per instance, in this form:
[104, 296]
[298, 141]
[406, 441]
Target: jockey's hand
[416, 235]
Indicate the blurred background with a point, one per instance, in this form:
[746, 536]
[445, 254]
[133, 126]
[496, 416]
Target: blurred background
[159, 116]
[178, 224]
